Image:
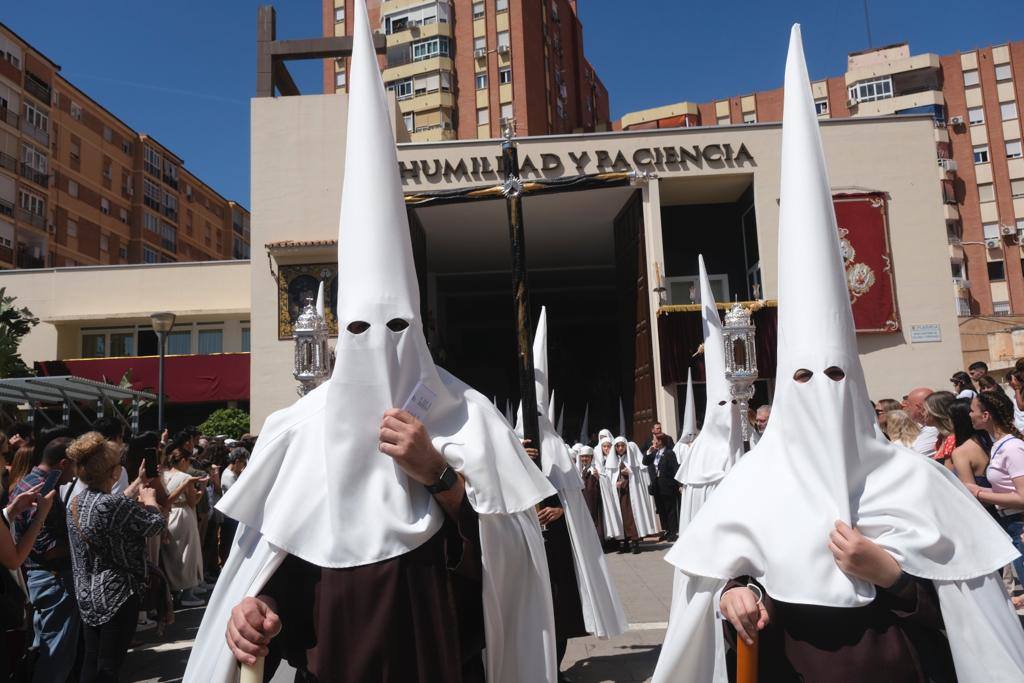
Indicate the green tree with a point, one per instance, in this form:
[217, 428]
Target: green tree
[231, 422]
[15, 323]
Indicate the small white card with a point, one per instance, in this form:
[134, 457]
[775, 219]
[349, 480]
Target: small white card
[420, 401]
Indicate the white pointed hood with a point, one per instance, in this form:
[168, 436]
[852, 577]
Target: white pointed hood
[720, 443]
[321, 455]
[689, 432]
[320, 301]
[622, 418]
[820, 460]
[585, 425]
[551, 408]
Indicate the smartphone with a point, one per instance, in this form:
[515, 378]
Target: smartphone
[150, 460]
[52, 477]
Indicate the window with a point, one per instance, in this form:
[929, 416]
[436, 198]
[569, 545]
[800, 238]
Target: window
[481, 81]
[957, 267]
[152, 161]
[34, 158]
[168, 236]
[72, 188]
[504, 39]
[986, 192]
[981, 154]
[122, 253]
[990, 230]
[409, 120]
[149, 256]
[976, 115]
[722, 121]
[122, 343]
[124, 216]
[435, 47]
[1003, 72]
[339, 79]
[1001, 307]
[152, 194]
[126, 147]
[210, 341]
[821, 106]
[1008, 110]
[36, 117]
[108, 134]
[970, 77]
[506, 111]
[179, 343]
[1013, 149]
[104, 206]
[500, 5]
[32, 203]
[245, 340]
[1017, 188]
[996, 270]
[480, 43]
[339, 15]
[871, 90]
[750, 117]
[76, 112]
[72, 228]
[75, 151]
[402, 89]
[478, 10]
[482, 117]
[151, 222]
[504, 75]
[422, 15]
[104, 243]
[94, 345]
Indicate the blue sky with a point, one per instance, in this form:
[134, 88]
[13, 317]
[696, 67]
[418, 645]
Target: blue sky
[183, 71]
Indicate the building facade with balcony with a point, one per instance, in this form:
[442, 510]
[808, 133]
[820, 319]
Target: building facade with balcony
[975, 98]
[458, 68]
[78, 186]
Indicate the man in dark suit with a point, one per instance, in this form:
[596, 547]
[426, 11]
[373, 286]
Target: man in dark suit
[662, 464]
[666, 440]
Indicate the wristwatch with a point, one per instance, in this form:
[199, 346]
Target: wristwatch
[445, 482]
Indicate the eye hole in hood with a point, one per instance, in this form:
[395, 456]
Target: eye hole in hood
[803, 376]
[834, 373]
[358, 326]
[397, 324]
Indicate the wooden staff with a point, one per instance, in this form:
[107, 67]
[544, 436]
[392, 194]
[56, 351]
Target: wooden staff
[512, 189]
[746, 660]
[252, 673]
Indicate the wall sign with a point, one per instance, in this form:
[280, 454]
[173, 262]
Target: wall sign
[920, 334]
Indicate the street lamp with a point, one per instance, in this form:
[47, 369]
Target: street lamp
[162, 324]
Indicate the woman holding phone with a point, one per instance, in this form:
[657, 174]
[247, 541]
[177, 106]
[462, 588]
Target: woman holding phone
[183, 556]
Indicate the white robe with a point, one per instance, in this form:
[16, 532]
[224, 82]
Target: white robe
[611, 510]
[644, 514]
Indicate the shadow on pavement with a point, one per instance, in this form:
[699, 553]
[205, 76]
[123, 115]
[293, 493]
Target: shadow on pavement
[631, 664]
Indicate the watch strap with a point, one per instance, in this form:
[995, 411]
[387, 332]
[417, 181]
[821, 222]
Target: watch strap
[445, 481]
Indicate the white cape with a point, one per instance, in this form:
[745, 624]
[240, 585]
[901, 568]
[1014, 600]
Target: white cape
[603, 615]
[516, 591]
[640, 499]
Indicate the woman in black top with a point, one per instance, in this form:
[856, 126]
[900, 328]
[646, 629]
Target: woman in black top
[108, 539]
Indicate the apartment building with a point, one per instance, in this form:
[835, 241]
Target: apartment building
[459, 68]
[78, 186]
[975, 98]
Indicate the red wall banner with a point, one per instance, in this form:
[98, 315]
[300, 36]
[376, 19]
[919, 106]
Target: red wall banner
[864, 239]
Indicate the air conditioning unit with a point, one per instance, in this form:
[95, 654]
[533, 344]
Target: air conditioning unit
[948, 165]
[1007, 230]
[481, 52]
[956, 121]
[851, 103]
[961, 283]
[504, 49]
[992, 243]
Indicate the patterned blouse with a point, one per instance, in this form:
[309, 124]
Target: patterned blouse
[108, 551]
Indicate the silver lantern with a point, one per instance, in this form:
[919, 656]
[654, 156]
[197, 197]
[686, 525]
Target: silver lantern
[740, 360]
[312, 352]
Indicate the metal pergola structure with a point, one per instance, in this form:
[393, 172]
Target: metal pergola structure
[69, 391]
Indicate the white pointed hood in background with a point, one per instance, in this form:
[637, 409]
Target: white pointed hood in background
[689, 432]
[320, 301]
[551, 408]
[381, 356]
[720, 443]
[820, 460]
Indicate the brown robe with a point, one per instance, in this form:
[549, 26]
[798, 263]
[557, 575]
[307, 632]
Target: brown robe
[626, 503]
[897, 639]
[565, 591]
[592, 497]
[416, 618]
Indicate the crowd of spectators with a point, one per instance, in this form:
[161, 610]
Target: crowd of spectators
[107, 536]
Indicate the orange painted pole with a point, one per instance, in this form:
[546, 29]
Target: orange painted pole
[746, 661]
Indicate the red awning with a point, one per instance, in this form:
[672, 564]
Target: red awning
[187, 379]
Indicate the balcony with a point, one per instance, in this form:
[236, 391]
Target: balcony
[427, 101]
[432, 134]
[893, 66]
[37, 88]
[419, 32]
[28, 260]
[37, 177]
[30, 218]
[891, 105]
[152, 203]
[409, 68]
[41, 136]
[171, 180]
[9, 117]
[171, 213]
[8, 162]
[6, 208]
